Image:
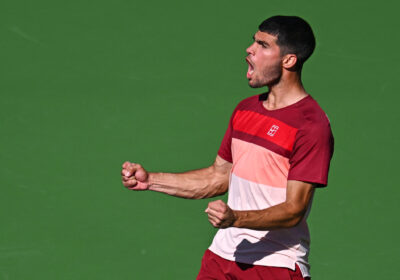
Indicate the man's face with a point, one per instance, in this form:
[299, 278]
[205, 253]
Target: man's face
[265, 61]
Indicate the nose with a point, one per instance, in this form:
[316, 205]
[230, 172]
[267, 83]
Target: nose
[250, 49]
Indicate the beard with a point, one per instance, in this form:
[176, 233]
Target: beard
[268, 77]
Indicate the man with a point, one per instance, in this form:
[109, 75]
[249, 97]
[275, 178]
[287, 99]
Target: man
[275, 152]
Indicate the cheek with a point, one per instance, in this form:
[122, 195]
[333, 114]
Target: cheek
[271, 62]
[267, 59]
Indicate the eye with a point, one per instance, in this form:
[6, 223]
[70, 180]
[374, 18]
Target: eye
[262, 44]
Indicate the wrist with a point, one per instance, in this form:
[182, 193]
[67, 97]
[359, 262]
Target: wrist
[236, 218]
[150, 180]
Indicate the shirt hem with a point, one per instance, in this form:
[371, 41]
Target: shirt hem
[285, 264]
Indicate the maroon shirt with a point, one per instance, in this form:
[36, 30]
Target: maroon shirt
[300, 132]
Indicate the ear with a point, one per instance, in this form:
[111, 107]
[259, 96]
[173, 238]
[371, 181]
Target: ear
[289, 61]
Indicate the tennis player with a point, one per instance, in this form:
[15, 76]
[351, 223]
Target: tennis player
[275, 153]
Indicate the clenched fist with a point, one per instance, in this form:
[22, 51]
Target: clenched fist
[134, 176]
[220, 214]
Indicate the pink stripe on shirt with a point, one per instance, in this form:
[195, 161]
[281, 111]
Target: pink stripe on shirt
[250, 162]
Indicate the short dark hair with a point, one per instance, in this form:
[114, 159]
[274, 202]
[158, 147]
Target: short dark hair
[294, 35]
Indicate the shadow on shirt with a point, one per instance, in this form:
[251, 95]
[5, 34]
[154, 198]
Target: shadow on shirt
[247, 253]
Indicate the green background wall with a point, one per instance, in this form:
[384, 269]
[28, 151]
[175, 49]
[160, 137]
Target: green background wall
[86, 85]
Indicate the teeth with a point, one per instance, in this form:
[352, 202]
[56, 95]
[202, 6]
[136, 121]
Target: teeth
[251, 69]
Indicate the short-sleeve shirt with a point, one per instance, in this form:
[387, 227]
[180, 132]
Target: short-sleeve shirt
[267, 148]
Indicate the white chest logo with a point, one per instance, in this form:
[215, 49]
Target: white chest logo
[273, 130]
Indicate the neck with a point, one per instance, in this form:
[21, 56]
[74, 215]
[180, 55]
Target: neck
[287, 91]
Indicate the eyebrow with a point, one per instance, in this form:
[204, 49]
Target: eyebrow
[260, 41]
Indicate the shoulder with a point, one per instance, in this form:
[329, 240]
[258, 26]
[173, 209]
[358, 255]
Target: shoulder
[248, 103]
[312, 115]
[313, 122]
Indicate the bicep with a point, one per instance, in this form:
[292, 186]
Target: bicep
[221, 170]
[298, 195]
[222, 166]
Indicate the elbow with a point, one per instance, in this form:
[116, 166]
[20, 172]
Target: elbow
[214, 184]
[294, 221]
[215, 187]
[211, 190]
[295, 216]
[219, 188]
[199, 195]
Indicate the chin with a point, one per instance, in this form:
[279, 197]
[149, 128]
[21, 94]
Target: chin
[255, 84]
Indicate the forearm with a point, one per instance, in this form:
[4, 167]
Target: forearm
[284, 215]
[201, 183]
[279, 216]
[196, 184]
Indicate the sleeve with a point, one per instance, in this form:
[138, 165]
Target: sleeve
[311, 155]
[225, 150]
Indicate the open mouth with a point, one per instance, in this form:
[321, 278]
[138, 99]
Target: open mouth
[250, 70]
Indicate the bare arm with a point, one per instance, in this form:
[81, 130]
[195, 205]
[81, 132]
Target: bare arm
[202, 183]
[284, 215]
